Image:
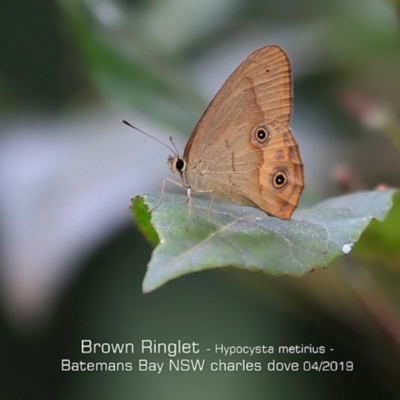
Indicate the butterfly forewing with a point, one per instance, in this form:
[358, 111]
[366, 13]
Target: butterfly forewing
[260, 88]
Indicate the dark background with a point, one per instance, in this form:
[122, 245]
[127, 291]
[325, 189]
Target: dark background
[71, 260]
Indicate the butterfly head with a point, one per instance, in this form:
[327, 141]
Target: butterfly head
[177, 166]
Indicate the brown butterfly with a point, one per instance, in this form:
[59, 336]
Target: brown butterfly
[242, 149]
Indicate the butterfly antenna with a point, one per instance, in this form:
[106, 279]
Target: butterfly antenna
[173, 144]
[175, 152]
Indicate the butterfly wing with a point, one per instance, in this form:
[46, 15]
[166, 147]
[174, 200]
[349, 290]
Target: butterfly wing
[266, 172]
[260, 88]
[242, 149]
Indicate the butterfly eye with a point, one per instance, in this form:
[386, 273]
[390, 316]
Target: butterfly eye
[180, 164]
[279, 178]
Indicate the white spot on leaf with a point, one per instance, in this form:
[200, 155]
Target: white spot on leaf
[347, 248]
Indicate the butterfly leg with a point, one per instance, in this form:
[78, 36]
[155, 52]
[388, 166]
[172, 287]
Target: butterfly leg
[162, 192]
[209, 210]
[190, 203]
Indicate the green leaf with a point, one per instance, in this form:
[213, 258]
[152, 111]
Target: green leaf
[245, 237]
[142, 216]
